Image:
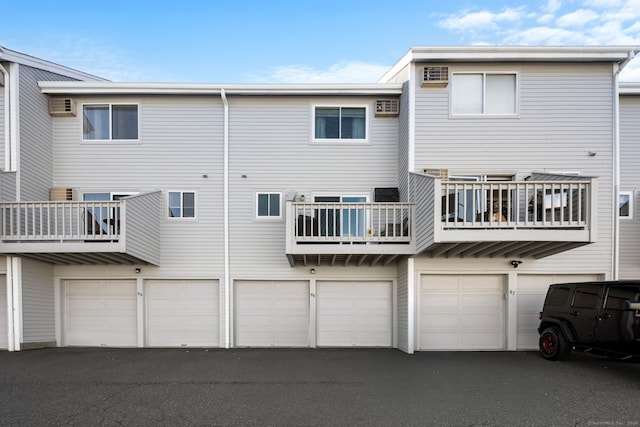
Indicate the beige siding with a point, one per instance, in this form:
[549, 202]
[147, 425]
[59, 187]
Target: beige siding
[37, 302]
[630, 181]
[270, 151]
[35, 124]
[565, 111]
[180, 149]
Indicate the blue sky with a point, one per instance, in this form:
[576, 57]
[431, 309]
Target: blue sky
[297, 41]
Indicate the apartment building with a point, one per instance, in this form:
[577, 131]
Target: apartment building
[428, 211]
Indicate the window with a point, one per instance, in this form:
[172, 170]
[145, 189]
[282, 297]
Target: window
[268, 205]
[109, 122]
[340, 123]
[625, 204]
[586, 296]
[182, 204]
[483, 94]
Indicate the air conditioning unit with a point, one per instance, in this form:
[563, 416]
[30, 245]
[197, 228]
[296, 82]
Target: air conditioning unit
[62, 107]
[387, 107]
[441, 173]
[60, 194]
[435, 77]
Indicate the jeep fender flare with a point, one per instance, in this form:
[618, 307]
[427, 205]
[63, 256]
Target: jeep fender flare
[565, 327]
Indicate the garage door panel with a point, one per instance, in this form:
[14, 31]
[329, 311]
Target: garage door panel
[183, 313]
[354, 313]
[531, 292]
[462, 312]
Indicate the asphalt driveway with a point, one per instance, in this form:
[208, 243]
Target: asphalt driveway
[158, 387]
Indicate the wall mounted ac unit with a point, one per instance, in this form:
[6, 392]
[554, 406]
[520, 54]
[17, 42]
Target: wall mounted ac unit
[441, 173]
[62, 107]
[387, 107]
[60, 194]
[435, 77]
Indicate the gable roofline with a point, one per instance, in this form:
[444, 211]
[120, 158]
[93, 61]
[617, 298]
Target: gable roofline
[116, 88]
[485, 53]
[629, 88]
[31, 61]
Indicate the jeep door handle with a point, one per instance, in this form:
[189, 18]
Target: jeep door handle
[575, 313]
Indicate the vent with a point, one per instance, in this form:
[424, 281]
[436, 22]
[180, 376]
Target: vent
[62, 107]
[435, 77]
[60, 194]
[387, 107]
[441, 173]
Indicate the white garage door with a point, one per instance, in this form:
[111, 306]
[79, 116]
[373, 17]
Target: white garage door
[100, 313]
[462, 312]
[271, 314]
[183, 313]
[531, 292]
[4, 333]
[354, 314]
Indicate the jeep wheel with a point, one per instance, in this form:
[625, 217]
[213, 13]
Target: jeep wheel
[552, 344]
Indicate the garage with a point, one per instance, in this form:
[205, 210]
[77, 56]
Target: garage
[100, 313]
[4, 330]
[354, 313]
[462, 312]
[271, 313]
[532, 290]
[182, 313]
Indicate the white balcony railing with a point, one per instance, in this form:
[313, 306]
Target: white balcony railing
[516, 205]
[60, 221]
[350, 222]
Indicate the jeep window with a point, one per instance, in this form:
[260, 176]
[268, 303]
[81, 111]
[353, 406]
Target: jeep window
[586, 296]
[558, 296]
[619, 295]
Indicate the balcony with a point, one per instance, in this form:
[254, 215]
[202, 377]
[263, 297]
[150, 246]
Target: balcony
[541, 217]
[119, 232]
[348, 233]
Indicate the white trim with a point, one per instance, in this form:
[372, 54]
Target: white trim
[280, 206]
[182, 217]
[41, 64]
[110, 140]
[483, 115]
[340, 140]
[412, 319]
[14, 150]
[631, 202]
[14, 281]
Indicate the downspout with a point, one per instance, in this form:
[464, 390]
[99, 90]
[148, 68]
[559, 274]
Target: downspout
[616, 164]
[7, 121]
[227, 281]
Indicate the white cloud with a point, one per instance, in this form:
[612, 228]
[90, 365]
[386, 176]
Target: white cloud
[577, 19]
[548, 36]
[466, 21]
[603, 3]
[347, 72]
[552, 6]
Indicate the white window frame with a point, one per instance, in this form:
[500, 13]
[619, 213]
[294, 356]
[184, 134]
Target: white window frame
[630, 195]
[280, 206]
[182, 217]
[484, 74]
[341, 141]
[110, 105]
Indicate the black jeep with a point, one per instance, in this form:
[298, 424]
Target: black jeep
[597, 317]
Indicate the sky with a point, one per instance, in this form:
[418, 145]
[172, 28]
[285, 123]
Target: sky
[294, 41]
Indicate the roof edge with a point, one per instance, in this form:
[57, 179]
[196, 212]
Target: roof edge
[629, 88]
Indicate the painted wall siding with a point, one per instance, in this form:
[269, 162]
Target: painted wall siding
[403, 142]
[557, 125]
[423, 195]
[143, 213]
[403, 306]
[181, 140]
[270, 146]
[35, 149]
[2, 126]
[37, 302]
[630, 181]
[8, 186]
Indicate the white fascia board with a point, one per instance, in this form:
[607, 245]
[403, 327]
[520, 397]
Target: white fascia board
[41, 64]
[512, 53]
[630, 88]
[113, 88]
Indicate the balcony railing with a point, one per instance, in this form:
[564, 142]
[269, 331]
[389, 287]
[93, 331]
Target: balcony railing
[110, 232]
[516, 205]
[348, 232]
[60, 221]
